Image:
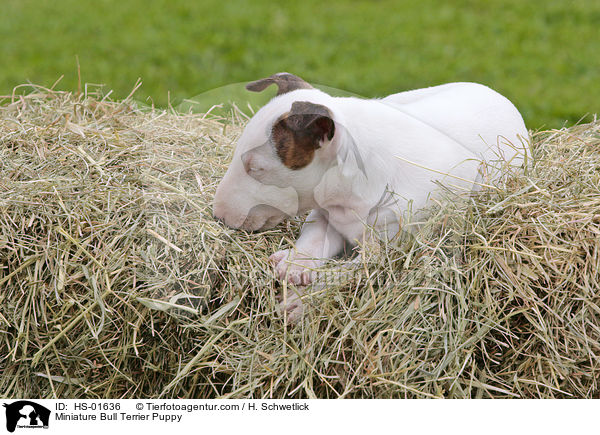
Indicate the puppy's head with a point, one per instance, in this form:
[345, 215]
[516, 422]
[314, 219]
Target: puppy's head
[279, 157]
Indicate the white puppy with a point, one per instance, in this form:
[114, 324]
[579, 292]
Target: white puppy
[357, 162]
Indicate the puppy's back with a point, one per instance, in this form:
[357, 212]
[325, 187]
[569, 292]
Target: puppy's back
[477, 117]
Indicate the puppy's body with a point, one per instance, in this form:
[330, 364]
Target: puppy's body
[358, 162]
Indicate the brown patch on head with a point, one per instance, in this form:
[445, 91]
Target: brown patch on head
[298, 134]
[285, 82]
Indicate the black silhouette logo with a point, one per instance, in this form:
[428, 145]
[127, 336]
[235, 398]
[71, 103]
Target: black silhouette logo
[26, 414]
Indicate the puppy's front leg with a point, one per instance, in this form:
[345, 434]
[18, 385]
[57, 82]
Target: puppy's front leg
[318, 241]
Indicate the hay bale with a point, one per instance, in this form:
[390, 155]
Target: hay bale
[117, 283]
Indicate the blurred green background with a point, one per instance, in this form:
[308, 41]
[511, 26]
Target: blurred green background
[544, 56]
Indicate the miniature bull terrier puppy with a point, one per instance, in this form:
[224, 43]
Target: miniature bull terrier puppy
[360, 163]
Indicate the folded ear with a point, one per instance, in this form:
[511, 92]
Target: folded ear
[310, 119]
[299, 133]
[285, 82]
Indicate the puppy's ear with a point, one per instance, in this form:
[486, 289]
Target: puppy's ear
[298, 134]
[285, 82]
[310, 119]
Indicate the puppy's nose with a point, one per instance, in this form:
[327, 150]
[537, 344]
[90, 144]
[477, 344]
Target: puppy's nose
[222, 216]
[216, 215]
[217, 211]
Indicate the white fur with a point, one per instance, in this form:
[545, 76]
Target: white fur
[404, 143]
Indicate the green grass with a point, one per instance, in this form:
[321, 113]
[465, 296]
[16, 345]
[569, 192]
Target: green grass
[544, 56]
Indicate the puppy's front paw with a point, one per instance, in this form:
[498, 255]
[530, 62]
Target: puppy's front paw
[278, 256]
[298, 269]
[292, 306]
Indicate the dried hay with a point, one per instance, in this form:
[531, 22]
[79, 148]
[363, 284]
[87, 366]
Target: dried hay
[116, 282]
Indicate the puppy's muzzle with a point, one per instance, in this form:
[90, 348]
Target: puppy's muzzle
[259, 218]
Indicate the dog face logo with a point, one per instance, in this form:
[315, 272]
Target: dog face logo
[26, 414]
